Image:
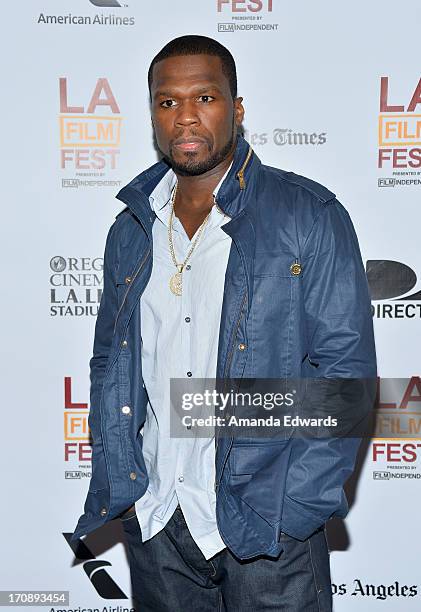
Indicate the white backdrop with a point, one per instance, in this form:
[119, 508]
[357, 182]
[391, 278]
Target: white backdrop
[310, 75]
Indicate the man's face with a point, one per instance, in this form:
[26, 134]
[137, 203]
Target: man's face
[193, 113]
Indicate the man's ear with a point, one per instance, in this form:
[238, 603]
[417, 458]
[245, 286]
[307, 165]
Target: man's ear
[238, 110]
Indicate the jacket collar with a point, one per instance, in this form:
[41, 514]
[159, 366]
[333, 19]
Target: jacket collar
[231, 195]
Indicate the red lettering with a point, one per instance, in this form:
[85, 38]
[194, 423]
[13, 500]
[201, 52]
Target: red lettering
[109, 100]
[68, 395]
[382, 405]
[64, 107]
[393, 449]
[416, 98]
[416, 155]
[411, 450]
[414, 383]
[384, 106]
[69, 449]
[378, 449]
[85, 451]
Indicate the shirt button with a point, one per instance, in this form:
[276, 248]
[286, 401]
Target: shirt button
[126, 410]
[189, 374]
[241, 346]
[181, 479]
[188, 267]
[124, 343]
[188, 426]
[128, 280]
[187, 319]
[103, 511]
[133, 475]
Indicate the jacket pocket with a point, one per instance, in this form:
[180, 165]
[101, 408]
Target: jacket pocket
[99, 476]
[258, 474]
[273, 314]
[275, 263]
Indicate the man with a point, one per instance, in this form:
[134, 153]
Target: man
[220, 267]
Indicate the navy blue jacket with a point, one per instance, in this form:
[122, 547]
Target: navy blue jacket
[311, 319]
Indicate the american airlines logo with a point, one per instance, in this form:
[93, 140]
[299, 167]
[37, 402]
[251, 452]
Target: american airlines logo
[105, 3]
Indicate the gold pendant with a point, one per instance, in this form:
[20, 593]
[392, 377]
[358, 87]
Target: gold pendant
[176, 280]
[175, 283]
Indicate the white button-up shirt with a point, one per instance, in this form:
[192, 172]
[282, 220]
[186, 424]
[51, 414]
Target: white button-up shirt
[180, 339]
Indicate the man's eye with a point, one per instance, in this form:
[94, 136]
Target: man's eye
[206, 98]
[167, 103]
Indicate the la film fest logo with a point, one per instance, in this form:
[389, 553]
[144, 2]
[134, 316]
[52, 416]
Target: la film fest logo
[396, 446]
[394, 289]
[78, 462]
[89, 134]
[75, 286]
[399, 134]
[245, 15]
[77, 442]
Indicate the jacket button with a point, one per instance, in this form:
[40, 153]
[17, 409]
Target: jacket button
[133, 475]
[241, 346]
[126, 410]
[124, 343]
[295, 268]
[103, 511]
[128, 280]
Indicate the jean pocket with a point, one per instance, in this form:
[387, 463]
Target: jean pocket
[320, 564]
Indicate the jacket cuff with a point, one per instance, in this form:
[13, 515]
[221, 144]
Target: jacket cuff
[297, 522]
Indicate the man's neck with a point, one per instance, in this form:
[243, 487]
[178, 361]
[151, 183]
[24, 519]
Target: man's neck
[194, 193]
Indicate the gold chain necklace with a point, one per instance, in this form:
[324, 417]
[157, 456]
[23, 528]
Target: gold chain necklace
[176, 279]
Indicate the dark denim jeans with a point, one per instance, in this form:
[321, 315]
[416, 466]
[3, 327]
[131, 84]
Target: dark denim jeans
[170, 574]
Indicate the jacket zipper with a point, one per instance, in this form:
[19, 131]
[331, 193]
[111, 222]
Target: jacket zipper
[241, 179]
[240, 173]
[142, 263]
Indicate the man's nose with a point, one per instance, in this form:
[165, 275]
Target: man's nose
[187, 115]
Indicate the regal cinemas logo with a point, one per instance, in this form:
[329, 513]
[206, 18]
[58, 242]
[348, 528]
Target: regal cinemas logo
[75, 286]
[394, 289]
[89, 135]
[399, 134]
[245, 15]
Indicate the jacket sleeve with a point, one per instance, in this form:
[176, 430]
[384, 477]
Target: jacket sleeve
[340, 345]
[104, 330]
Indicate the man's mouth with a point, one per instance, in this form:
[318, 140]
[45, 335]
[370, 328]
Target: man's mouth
[188, 144]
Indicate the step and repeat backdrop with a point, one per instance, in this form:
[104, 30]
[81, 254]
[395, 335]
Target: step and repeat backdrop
[332, 91]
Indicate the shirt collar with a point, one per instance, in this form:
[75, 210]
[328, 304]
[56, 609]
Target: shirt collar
[161, 195]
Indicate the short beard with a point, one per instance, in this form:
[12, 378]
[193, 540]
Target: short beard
[192, 168]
